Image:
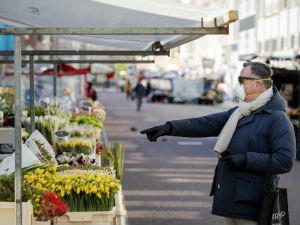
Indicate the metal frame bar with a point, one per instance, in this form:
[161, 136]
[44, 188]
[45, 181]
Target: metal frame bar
[113, 30]
[54, 80]
[88, 52]
[58, 61]
[18, 126]
[31, 88]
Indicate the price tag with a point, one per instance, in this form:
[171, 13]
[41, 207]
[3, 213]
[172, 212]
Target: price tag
[61, 133]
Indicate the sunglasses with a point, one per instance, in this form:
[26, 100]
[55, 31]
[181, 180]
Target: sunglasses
[242, 79]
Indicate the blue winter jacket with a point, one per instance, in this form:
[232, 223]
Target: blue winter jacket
[268, 130]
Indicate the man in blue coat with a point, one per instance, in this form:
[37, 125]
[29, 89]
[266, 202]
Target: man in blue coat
[139, 92]
[248, 135]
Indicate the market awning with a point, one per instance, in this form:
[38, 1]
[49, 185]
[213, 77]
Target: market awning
[114, 13]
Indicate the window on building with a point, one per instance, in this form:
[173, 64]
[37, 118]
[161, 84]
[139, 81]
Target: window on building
[271, 7]
[294, 3]
[259, 47]
[274, 44]
[282, 43]
[267, 46]
[293, 41]
[40, 37]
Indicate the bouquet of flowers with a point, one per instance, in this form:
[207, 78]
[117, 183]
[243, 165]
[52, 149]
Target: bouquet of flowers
[87, 119]
[100, 114]
[76, 146]
[74, 159]
[50, 206]
[43, 151]
[82, 169]
[7, 189]
[7, 186]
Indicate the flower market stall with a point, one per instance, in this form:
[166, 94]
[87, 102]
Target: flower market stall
[69, 176]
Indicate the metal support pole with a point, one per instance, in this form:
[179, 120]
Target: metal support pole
[32, 109]
[115, 30]
[59, 61]
[87, 52]
[54, 81]
[18, 137]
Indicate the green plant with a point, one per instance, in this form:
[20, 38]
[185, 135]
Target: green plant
[119, 154]
[38, 111]
[107, 156]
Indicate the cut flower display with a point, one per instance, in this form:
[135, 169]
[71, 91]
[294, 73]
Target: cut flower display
[80, 190]
[86, 119]
[75, 159]
[76, 146]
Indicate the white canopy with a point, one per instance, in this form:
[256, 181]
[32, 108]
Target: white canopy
[114, 13]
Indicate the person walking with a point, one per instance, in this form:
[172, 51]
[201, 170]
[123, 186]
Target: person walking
[249, 135]
[139, 92]
[128, 89]
[91, 93]
[148, 88]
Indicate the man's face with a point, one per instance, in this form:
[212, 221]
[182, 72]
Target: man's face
[250, 86]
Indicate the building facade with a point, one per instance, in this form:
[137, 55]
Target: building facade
[265, 28]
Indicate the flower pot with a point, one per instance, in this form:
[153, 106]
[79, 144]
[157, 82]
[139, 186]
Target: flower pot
[87, 218]
[41, 222]
[7, 213]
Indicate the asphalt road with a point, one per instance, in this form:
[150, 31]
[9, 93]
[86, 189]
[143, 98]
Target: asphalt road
[168, 182]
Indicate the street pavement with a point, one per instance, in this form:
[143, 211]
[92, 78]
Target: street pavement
[168, 181]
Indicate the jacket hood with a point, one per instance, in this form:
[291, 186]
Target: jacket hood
[277, 102]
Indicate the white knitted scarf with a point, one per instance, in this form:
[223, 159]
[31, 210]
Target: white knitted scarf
[244, 109]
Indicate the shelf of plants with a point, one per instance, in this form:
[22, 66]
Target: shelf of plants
[69, 176]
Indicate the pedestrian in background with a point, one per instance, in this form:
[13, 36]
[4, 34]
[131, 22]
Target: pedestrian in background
[91, 93]
[128, 89]
[139, 93]
[249, 135]
[148, 88]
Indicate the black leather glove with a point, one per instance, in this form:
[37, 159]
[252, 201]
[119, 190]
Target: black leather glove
[235, 160]
[154, 132]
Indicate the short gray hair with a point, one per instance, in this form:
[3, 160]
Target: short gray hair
[262, 71]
